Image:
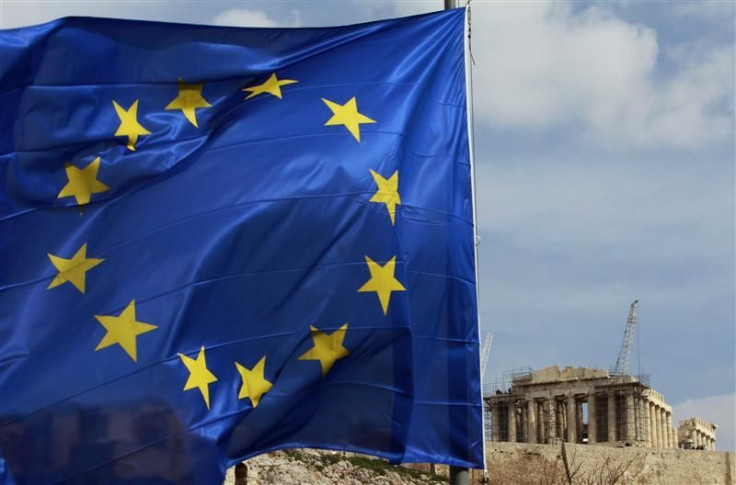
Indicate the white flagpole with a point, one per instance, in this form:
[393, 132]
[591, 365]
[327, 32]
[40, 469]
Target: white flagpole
[461, 475]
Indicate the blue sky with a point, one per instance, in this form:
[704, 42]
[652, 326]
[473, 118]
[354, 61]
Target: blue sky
[605, 173]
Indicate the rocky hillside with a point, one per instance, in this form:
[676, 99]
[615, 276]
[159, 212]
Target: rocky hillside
[508, 464]
[302, 467]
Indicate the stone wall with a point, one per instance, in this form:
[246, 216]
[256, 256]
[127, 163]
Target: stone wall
[508, 464]
[528, 464]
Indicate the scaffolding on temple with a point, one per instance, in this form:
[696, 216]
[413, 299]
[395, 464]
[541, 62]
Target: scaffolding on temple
[576, 405]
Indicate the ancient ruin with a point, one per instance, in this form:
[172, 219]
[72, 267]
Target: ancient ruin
[584, 405]
[696, 433]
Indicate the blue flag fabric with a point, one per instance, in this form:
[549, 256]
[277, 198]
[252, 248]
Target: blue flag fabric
[217, 242]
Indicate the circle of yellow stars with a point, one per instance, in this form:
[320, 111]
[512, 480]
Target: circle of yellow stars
[124, 329]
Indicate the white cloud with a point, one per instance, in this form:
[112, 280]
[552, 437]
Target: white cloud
[21, 13]
[243, 17]
[709, 9]
[540, 64]
[720, 410]
[557, 205]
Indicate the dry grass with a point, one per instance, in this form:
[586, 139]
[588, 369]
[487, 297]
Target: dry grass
[535, 469]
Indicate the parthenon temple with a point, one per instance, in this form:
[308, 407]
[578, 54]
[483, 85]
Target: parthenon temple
[583, 405]
[697, 433]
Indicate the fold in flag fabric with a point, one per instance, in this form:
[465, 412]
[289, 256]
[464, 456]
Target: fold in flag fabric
[217, 242]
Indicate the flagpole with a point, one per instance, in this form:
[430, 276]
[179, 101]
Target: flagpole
[458, 475]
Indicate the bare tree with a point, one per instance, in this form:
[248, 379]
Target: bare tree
[609, 472]
[572, 466]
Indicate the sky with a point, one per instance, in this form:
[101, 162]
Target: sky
[605, 162]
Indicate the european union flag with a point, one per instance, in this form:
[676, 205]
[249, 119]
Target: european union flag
[218, 242]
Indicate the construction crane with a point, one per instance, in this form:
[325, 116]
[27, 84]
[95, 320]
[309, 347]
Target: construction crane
[623, 367]
[485, 353]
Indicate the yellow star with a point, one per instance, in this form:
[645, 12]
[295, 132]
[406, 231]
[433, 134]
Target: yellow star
[129, 125]
[271, 86]
[82, 182]
[123, 330]
[73, 270]
[348, 115]
[199, 375]
[255, 384]
[189, 99]
[327, 347]
[382, 281]
[387, 193]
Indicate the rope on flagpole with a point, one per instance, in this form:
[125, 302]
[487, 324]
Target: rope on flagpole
[470, 31]
[469, 63]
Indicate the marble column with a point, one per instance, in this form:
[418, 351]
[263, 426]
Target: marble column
[495, 424]
[630, 419]
[591, 419]
[665, 430]
[541, 430]
[655, 426]
[650, 420]
[512, 421]
[611, 417]
[673, 434]
[662, 428]
[522, 424]
[579, 420]
[551, 408]
[559, 418]
[572, 420]
[645, 421]
[531, 421]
